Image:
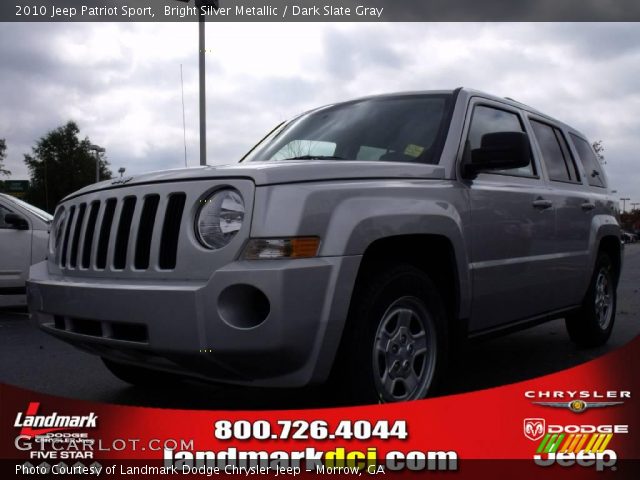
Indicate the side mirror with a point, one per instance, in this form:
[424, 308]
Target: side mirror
[16, 221]
[500, 151]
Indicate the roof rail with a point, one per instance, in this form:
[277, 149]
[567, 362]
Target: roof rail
[518, 102]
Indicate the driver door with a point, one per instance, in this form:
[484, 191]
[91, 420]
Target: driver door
[512, 230]
[15, 255]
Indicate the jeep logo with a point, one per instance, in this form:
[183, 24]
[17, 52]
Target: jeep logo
[600, 460]
[122, 181]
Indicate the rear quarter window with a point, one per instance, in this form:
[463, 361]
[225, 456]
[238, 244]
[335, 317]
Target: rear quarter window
[590, 163]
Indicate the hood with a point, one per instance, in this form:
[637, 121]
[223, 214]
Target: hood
[270, 173]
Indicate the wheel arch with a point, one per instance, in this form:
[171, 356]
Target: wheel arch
[434, 254]
[610, 244]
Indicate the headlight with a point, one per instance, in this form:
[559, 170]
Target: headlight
[220, 218]
[55, 234]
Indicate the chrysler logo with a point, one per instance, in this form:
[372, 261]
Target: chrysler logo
[577, 406]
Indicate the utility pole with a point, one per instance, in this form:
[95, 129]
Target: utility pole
[201, 72]
[184, 122]
[46, 186]
[97, 150]
[634, 205]
[624, 204]
[203, 85]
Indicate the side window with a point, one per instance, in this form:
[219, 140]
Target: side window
[556, 156]
[3, 212]
[568, 156]
[590, 163]
[491, 120]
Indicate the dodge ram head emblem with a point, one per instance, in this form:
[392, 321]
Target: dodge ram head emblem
[534, 428]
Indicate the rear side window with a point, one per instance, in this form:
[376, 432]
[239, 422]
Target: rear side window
[556, 156]
[590, 163]
[492, 120]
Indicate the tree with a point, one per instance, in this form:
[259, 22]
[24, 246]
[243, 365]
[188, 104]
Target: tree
[3, 155]
[599, 148]
[60, 164]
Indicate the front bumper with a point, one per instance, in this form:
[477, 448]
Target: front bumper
[178, 326]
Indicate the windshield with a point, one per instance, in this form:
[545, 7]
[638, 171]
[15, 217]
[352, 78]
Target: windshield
[41, 214]
[408, 128]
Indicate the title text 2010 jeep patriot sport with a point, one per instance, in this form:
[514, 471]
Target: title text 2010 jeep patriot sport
[354, 242]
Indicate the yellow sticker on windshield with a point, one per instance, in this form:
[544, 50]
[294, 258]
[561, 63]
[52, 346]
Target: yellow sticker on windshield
[413, 150]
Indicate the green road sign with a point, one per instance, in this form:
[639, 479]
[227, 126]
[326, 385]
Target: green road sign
[17, 188]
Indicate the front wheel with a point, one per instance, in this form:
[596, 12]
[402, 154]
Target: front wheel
[591, 326]
[393, 346]
[405, 351]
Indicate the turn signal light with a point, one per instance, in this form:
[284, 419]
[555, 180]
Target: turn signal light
[274, 248]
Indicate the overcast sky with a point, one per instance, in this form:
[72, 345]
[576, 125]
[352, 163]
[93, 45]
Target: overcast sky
[121, 82]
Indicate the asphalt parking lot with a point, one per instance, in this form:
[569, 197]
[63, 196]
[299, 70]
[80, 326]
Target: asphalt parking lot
[33, 360]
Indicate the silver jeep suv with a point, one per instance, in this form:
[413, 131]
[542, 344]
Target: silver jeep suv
[354, 243]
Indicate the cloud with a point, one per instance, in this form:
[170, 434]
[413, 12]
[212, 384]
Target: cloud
[347, 55]
[121, 82]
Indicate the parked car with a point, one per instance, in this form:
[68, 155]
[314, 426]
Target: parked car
[355, 243]
[24, 232]
[628, 237]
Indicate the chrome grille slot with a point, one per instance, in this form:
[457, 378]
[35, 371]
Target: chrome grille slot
[145, 231]
[122, 235]
[105, 233]
[73, 258]
[171, 231]
[89, 234]
[67, 234]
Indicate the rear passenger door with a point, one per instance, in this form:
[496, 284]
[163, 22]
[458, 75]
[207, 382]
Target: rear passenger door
[574, 211]
[601, 205]
[511, 229]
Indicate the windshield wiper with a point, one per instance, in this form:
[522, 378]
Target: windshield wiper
[315, 157]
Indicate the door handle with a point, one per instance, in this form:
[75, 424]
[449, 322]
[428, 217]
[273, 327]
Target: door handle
[542, 204]
[586, 206]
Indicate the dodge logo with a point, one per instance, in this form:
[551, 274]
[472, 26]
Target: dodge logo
[534, 428]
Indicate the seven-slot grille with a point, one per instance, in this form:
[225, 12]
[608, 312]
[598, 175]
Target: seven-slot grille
[132, 232]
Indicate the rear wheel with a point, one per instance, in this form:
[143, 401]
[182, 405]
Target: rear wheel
[139, 376]
[393, 346]
[591, 326]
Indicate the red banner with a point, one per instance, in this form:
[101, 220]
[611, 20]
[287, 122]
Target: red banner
[579, 422]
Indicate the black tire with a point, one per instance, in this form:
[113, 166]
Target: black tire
[139, 376]
[591, 326]
[372, 345]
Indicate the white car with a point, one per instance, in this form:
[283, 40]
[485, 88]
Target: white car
[24, 234]
[627, 237]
